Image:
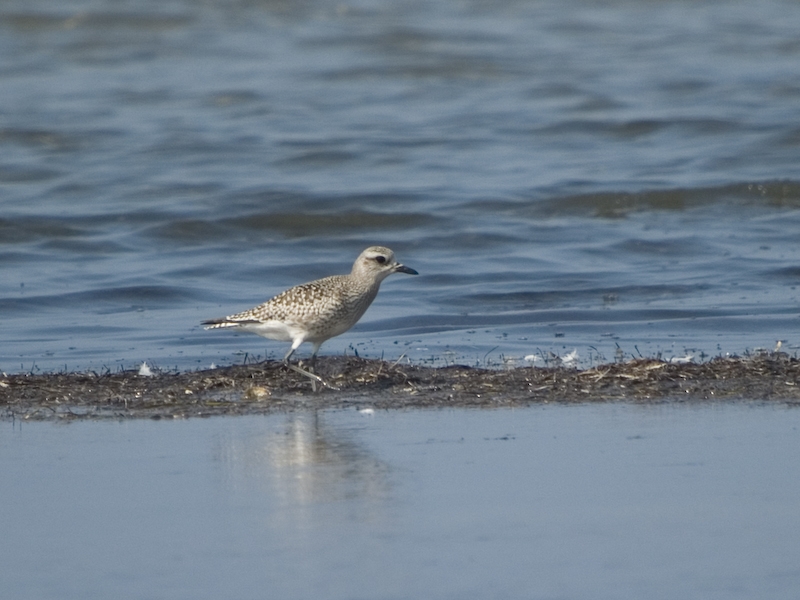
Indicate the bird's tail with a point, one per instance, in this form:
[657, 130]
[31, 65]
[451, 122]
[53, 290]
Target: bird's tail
[226, 322]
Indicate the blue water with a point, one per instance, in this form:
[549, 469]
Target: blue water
[616, 178]
[596, 502]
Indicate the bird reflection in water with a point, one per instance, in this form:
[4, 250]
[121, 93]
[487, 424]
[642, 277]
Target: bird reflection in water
[299, 461]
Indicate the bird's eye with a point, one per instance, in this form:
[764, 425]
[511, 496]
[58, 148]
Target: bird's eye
[380, 259]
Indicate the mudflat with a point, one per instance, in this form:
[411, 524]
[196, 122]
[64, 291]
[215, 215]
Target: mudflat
[363, 383]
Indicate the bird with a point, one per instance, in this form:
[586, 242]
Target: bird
[318, 310]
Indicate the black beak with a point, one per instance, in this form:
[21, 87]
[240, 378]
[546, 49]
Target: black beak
[405, 269]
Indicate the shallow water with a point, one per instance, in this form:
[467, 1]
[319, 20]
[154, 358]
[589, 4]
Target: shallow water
[608, 177]
[602, 501]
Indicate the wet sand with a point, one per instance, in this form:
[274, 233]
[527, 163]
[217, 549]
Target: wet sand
[270, 387]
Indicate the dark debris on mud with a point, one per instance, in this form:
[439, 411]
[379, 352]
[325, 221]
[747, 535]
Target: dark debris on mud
[270, 387]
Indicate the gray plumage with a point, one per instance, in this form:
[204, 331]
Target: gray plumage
[319, 310]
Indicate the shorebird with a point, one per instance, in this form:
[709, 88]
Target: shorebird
[319, 310]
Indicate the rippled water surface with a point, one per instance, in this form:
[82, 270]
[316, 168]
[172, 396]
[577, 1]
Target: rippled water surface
[583, 502]
[611, 177]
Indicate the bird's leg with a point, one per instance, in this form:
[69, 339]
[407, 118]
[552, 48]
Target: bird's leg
[312, 363]
[315, 379]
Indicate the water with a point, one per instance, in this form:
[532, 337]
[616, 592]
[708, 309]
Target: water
[606, 177]
[603, 501]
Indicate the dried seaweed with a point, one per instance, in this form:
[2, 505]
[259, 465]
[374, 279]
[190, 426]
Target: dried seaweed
[270, 387]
